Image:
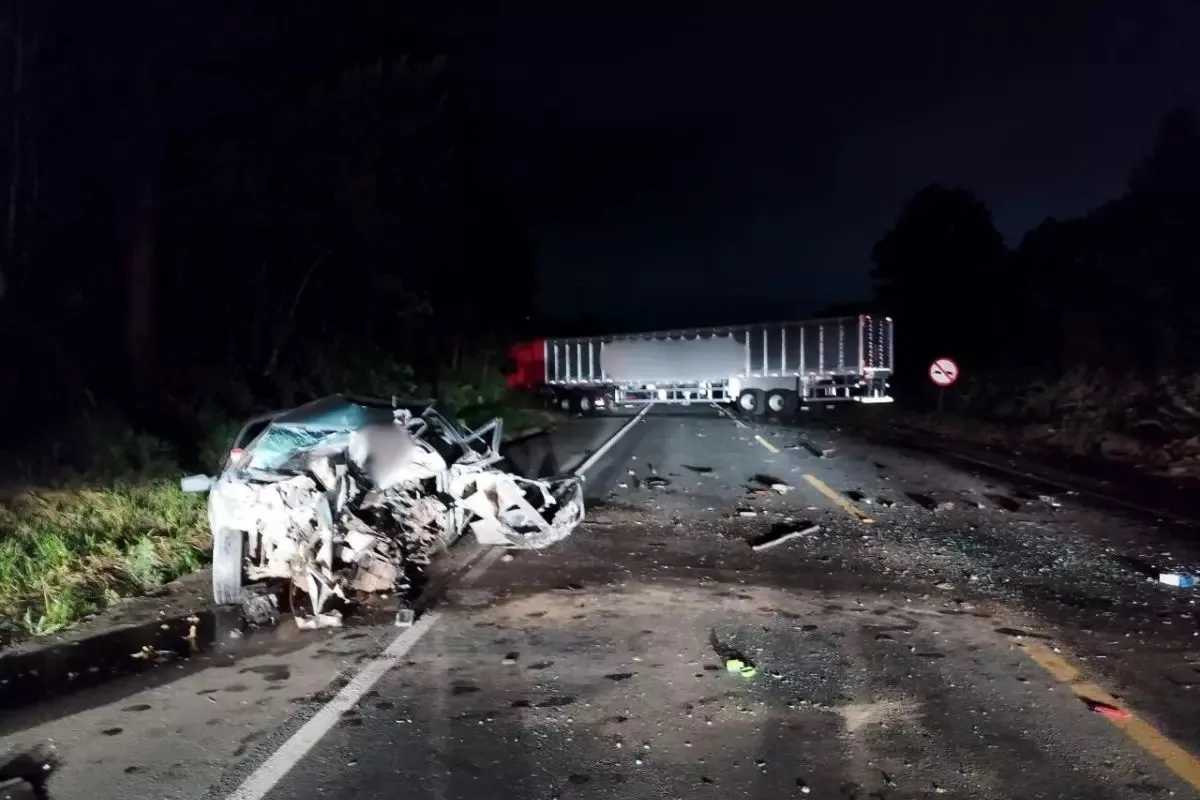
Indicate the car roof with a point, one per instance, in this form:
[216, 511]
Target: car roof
[334, 413]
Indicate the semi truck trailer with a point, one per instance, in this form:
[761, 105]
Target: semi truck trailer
[771, 369]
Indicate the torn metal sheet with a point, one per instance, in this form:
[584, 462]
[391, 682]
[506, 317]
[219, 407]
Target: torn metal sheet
[343, 497]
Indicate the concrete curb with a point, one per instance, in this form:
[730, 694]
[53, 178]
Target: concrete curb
[527, 433]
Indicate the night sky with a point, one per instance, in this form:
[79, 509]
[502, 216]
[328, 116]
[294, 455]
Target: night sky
[711, 164]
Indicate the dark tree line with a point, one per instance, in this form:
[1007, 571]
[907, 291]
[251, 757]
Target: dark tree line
[227, 206]
[1117, 289]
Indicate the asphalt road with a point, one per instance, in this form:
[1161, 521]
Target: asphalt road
[977, 637]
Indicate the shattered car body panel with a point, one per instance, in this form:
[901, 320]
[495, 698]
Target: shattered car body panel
[344, 496]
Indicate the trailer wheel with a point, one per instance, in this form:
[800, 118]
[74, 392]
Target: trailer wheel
[564, 402]
[750, 402]
[782, 403]
[229, 547]
[587, 404]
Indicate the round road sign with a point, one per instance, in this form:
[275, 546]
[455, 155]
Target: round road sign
[943, 371]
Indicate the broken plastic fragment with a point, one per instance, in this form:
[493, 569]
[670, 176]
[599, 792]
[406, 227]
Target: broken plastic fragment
[1104, 709]
[329, 619]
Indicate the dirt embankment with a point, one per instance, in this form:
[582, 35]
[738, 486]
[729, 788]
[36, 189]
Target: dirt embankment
[1151, 424]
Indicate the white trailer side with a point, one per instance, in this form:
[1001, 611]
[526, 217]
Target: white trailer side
[763, 368]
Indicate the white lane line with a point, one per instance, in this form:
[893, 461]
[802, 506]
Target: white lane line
[268, 775]
[591, 460]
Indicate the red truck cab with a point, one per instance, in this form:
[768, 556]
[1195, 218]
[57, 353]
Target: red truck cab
[527, 366]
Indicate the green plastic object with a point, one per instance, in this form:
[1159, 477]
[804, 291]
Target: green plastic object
[740, 667]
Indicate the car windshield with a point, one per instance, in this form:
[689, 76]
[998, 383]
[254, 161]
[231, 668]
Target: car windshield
[321, 423]
[326, 423]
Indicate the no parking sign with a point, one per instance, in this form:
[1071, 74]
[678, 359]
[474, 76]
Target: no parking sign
[943, 372]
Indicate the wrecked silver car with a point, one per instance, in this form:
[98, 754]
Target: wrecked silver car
[346, 496]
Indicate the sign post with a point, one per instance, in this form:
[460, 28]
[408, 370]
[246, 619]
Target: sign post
[943, 372]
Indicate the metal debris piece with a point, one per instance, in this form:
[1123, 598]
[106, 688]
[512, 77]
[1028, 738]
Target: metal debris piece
[348, 496]
[260, 608]
[782, 533]
[816, 449]
[1050, 501]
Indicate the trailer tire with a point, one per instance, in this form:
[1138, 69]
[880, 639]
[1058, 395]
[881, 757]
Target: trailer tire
[586, 404]
[229, 548]
[781, 403]
[750, 402]
[565, 402]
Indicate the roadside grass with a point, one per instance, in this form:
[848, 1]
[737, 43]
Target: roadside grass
[97, 515]
[70, 552]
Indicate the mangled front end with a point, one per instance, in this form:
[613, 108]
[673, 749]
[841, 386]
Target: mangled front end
[367, 511]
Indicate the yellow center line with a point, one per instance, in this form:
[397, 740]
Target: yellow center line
[837, 499]
[772, 448]
[813, 480]
[1145, 735]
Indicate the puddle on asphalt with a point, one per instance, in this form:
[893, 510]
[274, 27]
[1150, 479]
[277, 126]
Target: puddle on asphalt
[132, 658]
[58, 670]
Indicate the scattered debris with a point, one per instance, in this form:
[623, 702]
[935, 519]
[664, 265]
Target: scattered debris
[929, 503]
[344, 496]
[1050, 501]
[783, 532]
[1181, 579]
[260, 606]
[815, 449]
[405, 618]
[740, 667]
[971, 500]
[1005, 502]
[770, 482]
[697, 469]
[1112, 712]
